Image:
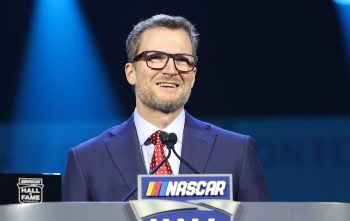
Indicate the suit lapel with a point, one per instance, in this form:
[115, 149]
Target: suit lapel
[125, 151]
[197, 144]
[124, 148]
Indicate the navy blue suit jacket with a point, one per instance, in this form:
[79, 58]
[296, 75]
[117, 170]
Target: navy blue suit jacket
[105, 168]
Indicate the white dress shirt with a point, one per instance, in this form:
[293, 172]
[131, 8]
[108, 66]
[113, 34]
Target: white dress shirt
[145, 129]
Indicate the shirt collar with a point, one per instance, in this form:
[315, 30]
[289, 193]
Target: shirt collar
[145, 129]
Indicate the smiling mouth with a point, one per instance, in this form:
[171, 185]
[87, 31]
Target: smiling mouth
[167, 85]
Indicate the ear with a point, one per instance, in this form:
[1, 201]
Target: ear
[194, 76]
[130, 73]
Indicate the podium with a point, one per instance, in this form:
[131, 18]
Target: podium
[120, 211]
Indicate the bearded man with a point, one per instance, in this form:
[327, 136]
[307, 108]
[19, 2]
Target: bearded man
[162, 70]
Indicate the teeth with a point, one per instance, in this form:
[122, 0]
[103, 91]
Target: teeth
[167, 85]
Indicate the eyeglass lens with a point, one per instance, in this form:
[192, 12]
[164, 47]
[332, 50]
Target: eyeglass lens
[158, 60]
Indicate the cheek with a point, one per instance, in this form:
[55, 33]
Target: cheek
[189, 80]
[143, 81]
[192, 84]
[140, 78]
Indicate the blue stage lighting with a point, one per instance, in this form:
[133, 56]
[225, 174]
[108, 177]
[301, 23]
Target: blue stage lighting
[63, 77]
[64, 95]
[342, 2]
[343, 8]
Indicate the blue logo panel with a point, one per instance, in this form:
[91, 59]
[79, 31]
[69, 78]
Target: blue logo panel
[185, 187]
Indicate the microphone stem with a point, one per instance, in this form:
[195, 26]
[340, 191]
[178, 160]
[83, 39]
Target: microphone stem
[152, 172]
[184, 161]
[161, 163]
[130, 194]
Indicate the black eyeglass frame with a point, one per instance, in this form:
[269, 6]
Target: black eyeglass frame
[142, 56]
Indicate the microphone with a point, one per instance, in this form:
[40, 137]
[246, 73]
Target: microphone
[170, 140]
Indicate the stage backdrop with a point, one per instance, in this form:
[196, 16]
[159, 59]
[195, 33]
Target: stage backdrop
[276, 70]
[304, 159]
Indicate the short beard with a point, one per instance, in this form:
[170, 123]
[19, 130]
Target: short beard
[151, 100]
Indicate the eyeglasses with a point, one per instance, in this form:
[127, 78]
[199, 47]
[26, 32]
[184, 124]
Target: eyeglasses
[157, 60]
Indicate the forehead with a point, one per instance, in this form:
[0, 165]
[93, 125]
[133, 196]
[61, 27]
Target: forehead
[167, 40]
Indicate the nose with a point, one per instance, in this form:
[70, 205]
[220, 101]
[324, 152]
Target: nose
[170, 68]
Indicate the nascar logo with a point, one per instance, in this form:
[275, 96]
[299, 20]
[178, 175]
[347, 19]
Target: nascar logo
[186, 188]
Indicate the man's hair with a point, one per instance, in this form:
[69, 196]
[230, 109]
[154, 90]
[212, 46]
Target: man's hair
[165, 21]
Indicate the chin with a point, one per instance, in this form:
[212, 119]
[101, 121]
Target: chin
[169, 98]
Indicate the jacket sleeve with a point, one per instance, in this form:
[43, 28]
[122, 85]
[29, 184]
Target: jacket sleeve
[74, 187]
[252, 186]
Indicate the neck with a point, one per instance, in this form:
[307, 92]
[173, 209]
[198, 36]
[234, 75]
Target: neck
[157, 118]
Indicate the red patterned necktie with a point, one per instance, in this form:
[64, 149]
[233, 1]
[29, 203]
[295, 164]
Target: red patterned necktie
[159, 156]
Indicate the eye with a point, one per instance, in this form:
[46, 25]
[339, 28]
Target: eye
[182, 59]
[188, 60]
[154, 56]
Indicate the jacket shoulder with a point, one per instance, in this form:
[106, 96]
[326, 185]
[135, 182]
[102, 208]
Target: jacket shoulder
[219, 131]
[99, 141]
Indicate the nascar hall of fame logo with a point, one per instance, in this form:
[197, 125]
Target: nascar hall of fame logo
[30, 190]
[185, 198]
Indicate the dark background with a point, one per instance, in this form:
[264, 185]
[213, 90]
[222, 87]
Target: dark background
[264, 66]
[255, 57]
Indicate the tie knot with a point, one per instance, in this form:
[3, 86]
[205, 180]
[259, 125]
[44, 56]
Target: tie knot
[155, 137]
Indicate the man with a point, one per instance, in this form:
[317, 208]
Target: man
[161, 69]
